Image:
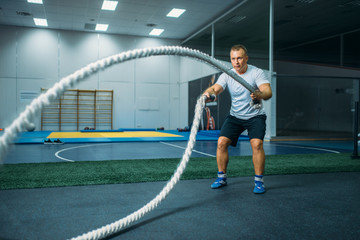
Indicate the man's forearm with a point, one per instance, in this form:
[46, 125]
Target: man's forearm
[210, 90]
[266, 94]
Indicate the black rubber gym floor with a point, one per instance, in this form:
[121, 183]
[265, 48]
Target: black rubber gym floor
[311, 206]
[303, 206]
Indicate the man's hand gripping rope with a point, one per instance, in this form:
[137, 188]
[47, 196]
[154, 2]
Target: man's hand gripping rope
[255, 102]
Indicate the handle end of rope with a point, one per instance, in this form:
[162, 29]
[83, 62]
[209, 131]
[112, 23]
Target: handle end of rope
[212, 97]
[255, 103]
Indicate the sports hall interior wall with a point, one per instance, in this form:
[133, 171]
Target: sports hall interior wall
[33, 58]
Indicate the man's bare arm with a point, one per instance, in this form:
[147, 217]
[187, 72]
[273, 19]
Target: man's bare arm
[215, 89]
[264, 92]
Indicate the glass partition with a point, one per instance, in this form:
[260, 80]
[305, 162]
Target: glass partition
[315, 106]
[233, 28]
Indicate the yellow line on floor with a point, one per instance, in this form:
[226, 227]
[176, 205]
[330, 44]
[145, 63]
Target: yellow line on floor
[135, 134]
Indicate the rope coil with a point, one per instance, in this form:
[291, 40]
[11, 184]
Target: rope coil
[27, 117]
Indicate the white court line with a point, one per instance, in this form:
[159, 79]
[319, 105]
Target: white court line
[314, 148]
[173, 145]
[88, 145]
[65, 149]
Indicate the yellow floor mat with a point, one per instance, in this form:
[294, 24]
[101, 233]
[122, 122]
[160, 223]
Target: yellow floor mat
[134, 134]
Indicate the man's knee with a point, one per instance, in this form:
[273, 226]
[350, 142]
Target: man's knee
[223, 143]
[256, 144]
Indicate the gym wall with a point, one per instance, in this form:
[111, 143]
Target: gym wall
[33, 58]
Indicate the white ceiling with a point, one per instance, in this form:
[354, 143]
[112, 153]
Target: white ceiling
[296, 22]
[130, 17]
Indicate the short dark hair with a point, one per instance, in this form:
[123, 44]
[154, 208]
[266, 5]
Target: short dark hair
[238, 47]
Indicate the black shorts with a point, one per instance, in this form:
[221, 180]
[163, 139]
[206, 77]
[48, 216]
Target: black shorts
[233, 127]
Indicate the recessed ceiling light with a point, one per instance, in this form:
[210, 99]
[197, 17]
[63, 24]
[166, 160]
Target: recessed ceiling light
[175, 12]
[156, 32]
[109, 5]
[40, 22]
[35, 1]
[101, 27]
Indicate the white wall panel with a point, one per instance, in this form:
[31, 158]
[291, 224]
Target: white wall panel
[184, 104]
[190, 69]
[147, 92]
[193, 69]
[89, 83]
[7, 51]
[145, 42]
[156, 115]
[114, 44]
[124, 103]
[37, 53]
[121, 72]
[7, 101]
[26, 85]
[110, 45]
[174, 68]
[175, 101]
[76, 51]
[153, 70]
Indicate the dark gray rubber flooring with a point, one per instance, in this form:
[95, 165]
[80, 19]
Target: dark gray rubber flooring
[308, 206]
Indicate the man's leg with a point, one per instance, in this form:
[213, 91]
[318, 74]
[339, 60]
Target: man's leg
[222, 153]
[258, 156]
[222, 158]
[259, 164]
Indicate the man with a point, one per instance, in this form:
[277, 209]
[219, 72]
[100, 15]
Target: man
[242, 115]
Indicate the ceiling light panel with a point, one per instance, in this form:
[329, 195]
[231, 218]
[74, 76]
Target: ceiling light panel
[40, 22]
[156, 32]
[109, 5]
[35, 1]
[101, 27]
[176, 12]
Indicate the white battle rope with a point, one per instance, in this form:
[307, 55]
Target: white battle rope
[124, 222]
[26, 118]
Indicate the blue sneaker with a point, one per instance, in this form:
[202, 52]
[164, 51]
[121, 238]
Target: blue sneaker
[220, 181]
[259, 187]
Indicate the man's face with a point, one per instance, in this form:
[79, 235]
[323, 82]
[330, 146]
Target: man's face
[239, 60]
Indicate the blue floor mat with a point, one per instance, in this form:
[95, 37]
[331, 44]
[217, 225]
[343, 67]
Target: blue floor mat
[40, 136]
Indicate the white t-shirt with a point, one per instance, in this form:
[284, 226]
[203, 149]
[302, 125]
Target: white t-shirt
[240, 96]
